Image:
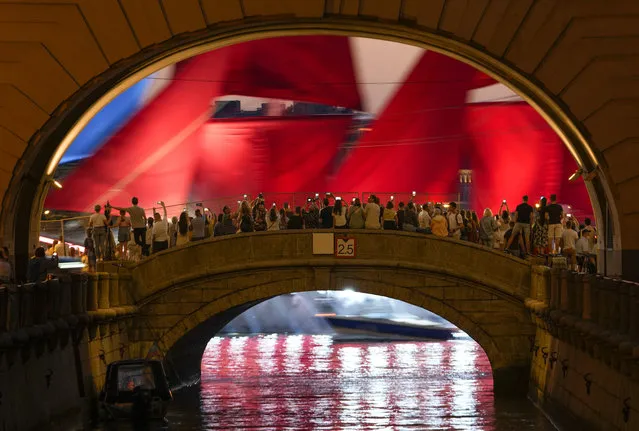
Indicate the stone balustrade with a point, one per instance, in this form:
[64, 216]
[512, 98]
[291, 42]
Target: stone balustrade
[597, 314]
[73, 300]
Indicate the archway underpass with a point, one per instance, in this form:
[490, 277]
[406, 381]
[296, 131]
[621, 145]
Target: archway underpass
[222, 278]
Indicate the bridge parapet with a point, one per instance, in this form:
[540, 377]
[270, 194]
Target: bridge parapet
[374, 249]
[62, 307]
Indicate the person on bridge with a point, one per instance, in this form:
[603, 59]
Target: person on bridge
[62, 248]
[339, 214]
[295, 221]
[198, 226]
[183, 227]
[487, 228]
[517, 244]
[89, 250]
[401, 213]
[124, 233]
[438, 224]
[554, 213]
[273, 219]
[523, 216]
[326, 214]
[371, 214]
[160, 230]
[148, 243]
[356, 215]
[424, 217]
[311, 215]
[173, 226]
[455, 221]
[98, 222]
[259, 216]
[390, 217]
[51, 250]
[138, 221]
[568, 245]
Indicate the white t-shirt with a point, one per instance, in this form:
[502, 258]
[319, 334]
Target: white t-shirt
[340, 219]
[569, 238]
[424, 219]
[161, 231]
[97, 220]
[582, 246]
[455, 221]
[372, 216]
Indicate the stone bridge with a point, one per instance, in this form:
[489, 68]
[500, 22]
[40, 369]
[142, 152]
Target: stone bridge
[185, 295]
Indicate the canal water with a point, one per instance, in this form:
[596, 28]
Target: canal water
[305, 382]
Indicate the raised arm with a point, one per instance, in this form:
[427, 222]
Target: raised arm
[164, 210]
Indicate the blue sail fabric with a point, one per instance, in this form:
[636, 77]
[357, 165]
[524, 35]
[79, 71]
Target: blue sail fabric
[106, 122]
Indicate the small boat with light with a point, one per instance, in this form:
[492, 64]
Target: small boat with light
[135, 389]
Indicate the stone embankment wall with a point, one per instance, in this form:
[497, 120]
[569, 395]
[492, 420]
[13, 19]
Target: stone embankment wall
[585, 356]
[56, 338]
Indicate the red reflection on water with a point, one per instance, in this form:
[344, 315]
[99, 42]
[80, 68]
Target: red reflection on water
[306, 382]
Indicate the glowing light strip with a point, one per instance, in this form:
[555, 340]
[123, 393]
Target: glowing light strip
[71, 265]
[46, 240]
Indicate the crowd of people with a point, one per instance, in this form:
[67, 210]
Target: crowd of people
[542, 229]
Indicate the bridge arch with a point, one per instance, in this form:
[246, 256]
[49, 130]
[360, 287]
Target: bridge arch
[504, 44]
[223, 277]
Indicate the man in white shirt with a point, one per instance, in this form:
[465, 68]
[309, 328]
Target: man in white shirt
[371, 214]
[424, 217]
[160, 231]
[568, 242]
[98, 222]
[582, 249]
[455, 221]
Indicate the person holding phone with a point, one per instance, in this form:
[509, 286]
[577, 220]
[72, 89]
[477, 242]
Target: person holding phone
[339, 214]
[160, 230]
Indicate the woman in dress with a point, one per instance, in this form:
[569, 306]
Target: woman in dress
[540, 230]
[124, 233]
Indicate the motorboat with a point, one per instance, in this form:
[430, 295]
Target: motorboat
[135, 389]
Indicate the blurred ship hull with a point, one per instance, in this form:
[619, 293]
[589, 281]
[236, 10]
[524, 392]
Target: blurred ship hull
[356, 327]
